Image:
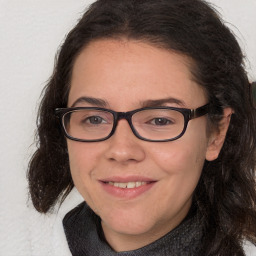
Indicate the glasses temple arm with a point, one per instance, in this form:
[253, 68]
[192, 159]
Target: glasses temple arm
[199, 111]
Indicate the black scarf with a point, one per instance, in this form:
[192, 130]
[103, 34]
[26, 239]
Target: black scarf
[84, 235]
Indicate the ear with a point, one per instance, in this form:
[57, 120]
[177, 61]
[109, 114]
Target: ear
[217, 138]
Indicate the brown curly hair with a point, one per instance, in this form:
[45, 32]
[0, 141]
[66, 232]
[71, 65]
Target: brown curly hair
[226, 194]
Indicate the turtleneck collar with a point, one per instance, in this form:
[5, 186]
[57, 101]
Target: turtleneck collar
[84, 235]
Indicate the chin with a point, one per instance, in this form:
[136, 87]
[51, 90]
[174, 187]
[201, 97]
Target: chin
[130, 223]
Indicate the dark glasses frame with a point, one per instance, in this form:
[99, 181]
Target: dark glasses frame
[188, 114]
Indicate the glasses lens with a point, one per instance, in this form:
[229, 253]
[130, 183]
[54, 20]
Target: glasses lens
[158, 124]
[88, 124]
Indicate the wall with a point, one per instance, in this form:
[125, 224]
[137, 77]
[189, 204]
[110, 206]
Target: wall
[31, 31]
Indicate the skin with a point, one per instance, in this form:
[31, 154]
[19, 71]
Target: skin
[126, 73]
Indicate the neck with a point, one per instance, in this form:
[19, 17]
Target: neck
[85, 237]
[124, 241]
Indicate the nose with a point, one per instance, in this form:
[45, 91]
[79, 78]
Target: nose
[124, 146]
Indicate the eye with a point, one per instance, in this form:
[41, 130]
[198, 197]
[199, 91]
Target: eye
[94, 120]
[160, 121]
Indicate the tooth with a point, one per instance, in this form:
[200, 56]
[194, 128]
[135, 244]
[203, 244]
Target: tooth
[138, 183]
[122, 185]
[131, 184]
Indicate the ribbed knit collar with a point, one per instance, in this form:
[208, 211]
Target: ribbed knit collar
[82, 229]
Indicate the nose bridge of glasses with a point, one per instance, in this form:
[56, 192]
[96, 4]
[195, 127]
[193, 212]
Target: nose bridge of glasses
[124, 115]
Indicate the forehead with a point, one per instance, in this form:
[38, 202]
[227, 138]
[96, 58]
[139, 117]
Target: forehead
[125, 72]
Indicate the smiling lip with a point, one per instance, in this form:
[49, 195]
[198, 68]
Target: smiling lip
[127, 187]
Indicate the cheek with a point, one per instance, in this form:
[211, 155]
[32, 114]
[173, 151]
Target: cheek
[82, 158]
[181, 168]
[182, 160]
[178, 157]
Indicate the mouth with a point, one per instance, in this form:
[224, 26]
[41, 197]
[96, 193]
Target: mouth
[131, 184]
[127, 188]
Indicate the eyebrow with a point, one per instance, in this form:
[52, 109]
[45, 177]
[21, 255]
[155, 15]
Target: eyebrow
[148, 103]
[161, 102]
[90, 100]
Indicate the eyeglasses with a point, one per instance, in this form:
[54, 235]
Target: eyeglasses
[156, 124]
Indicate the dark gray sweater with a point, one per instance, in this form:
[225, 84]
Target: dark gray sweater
[85, 238]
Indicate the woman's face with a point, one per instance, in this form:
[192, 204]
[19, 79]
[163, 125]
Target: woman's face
[125, 75]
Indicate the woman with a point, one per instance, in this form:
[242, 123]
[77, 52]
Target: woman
[149, 113]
